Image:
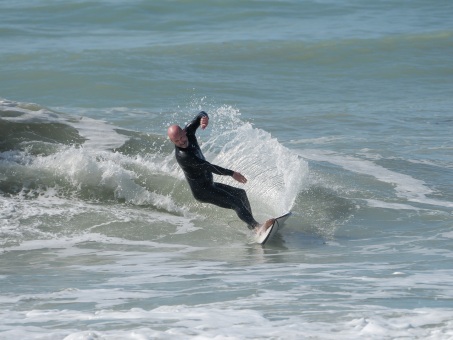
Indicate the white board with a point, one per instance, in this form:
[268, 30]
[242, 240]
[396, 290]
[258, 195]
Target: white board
[272, 230]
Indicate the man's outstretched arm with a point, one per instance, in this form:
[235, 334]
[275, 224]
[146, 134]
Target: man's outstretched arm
[202, 119]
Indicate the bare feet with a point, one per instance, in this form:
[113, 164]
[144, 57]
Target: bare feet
[266, 225]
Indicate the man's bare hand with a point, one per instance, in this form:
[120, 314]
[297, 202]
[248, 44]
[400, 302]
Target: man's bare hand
[204, 122]
[238, 177]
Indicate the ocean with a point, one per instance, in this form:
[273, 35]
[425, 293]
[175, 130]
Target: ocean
[340, 111]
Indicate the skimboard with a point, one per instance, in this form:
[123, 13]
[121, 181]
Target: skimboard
[272, 230]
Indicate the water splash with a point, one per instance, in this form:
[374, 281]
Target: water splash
[275, 174]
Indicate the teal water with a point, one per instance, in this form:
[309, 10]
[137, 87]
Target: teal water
[340, 111]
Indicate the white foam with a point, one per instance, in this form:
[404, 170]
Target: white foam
[447, 235]
[105, 169]
[27, 113]
[70, 243]
[216, 322]
[387, 205]
[320, 140]
[99, 134]
[406, 187]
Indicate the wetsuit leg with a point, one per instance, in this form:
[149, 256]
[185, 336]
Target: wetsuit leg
[240, 193]
[228, 197]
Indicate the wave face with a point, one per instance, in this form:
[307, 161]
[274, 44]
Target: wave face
[48, 156]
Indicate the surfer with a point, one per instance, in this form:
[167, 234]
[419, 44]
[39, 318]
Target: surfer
[198, 173]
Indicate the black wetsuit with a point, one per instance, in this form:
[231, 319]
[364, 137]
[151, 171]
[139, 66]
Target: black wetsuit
[199, 172]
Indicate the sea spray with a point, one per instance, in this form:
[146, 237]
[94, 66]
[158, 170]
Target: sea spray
[275, 173]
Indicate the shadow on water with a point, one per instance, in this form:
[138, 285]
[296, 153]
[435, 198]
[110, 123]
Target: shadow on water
[321, 211]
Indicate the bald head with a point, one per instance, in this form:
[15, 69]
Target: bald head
[173, 130]
[178, 136]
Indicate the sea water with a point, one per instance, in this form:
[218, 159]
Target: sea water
[340, 111]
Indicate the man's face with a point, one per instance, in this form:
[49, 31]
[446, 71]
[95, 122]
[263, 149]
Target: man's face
[180, 139]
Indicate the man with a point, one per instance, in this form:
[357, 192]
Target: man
[198, 173]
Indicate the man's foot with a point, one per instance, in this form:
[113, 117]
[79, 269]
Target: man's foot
[266, 225]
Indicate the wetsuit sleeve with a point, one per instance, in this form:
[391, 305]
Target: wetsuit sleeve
[194, 162]
[192, 127]
[218, 170]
